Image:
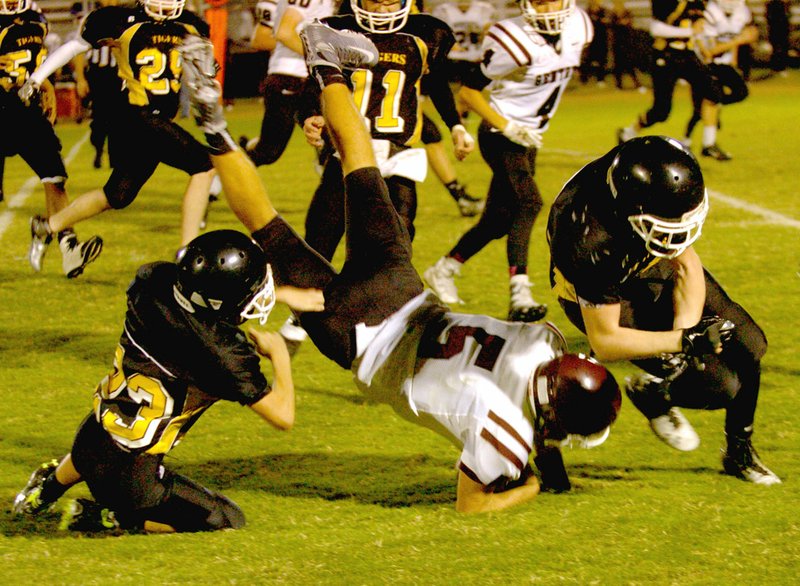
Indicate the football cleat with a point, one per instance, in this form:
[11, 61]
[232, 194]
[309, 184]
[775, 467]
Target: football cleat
[199, 74]
[98, 159]
[325, 46]
[86, 515]
[716, 153]
[41, 236]
[29, 500]
[522, 306]
[741, 460]
[76, 255]
[648, 395]
[441, 279]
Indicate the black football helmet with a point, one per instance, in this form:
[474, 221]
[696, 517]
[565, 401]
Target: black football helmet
[659, 189]
[14, 6]
[225, 274]
[381, 22]
[575, 400]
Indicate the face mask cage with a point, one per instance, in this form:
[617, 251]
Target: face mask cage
[164, 9]
[14, 6]
[547, 23]
[382, 22]
[668, 239]
[260, 306]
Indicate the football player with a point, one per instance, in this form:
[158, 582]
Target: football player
[181, 351]
[497, 390]
[286, 74]
[622, 264]
[729, 25]
[528, 61]
[28, 132]
[145, 38]
[98, 83]
[675, 26]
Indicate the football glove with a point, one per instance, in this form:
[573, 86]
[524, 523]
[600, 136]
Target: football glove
[707, 337]
[28, 90]
[523, 134]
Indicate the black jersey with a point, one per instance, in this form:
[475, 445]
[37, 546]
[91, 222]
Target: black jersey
[593, 252]
[388, 93]
[170, 367]
[146, 50]
[679, 13]
[21, 49]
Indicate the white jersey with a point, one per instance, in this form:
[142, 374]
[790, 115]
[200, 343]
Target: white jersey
[723, 27]
[529, 75]
[463, 376]
[467, 27]
[283, 60]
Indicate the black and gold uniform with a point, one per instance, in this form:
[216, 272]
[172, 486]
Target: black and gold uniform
[597, 259]
[170, 366]
[675, 58]
[388, 95]
[26, 130]
[142, 134]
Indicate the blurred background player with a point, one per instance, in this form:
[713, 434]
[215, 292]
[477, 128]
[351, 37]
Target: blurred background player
[674, 27]
[99, 86]
[144, 134]
[286, 73]
[623, 46]
[28, 130]
[182, 348]
[497, 390]
[729, 26]
[469, 20]
[625, 271]
[528, 62]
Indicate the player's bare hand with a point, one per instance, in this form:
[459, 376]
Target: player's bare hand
[463, 142]
[312, 128]
[268, 344]
[301, 299]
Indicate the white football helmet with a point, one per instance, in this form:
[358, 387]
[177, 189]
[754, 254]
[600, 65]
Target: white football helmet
[163, 9]
[382, 22]
[14, 6]
[543, 20]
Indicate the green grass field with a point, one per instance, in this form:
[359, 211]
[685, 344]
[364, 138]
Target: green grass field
[353, 495]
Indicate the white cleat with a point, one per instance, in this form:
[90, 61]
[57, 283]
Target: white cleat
[441, 279]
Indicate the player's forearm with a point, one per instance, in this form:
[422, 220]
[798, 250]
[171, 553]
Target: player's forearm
[485, 502]
[58, 58]
[475, 101]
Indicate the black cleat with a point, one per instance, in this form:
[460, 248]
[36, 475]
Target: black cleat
[741, 460]
[716, 153]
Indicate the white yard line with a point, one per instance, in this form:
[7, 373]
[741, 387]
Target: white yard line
[17, 199]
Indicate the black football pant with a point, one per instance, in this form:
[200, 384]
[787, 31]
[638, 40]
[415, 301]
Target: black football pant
[732, 86]
[138, 488]
[668, 67]
[729, 380]
[376, 280]
[325, 219]
[282, 99]
[512, 204]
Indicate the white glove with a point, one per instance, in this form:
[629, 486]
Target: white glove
[27, 91]
[463, 142]
[523, 134]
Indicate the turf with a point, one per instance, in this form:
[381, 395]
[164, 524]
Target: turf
[353, 495]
